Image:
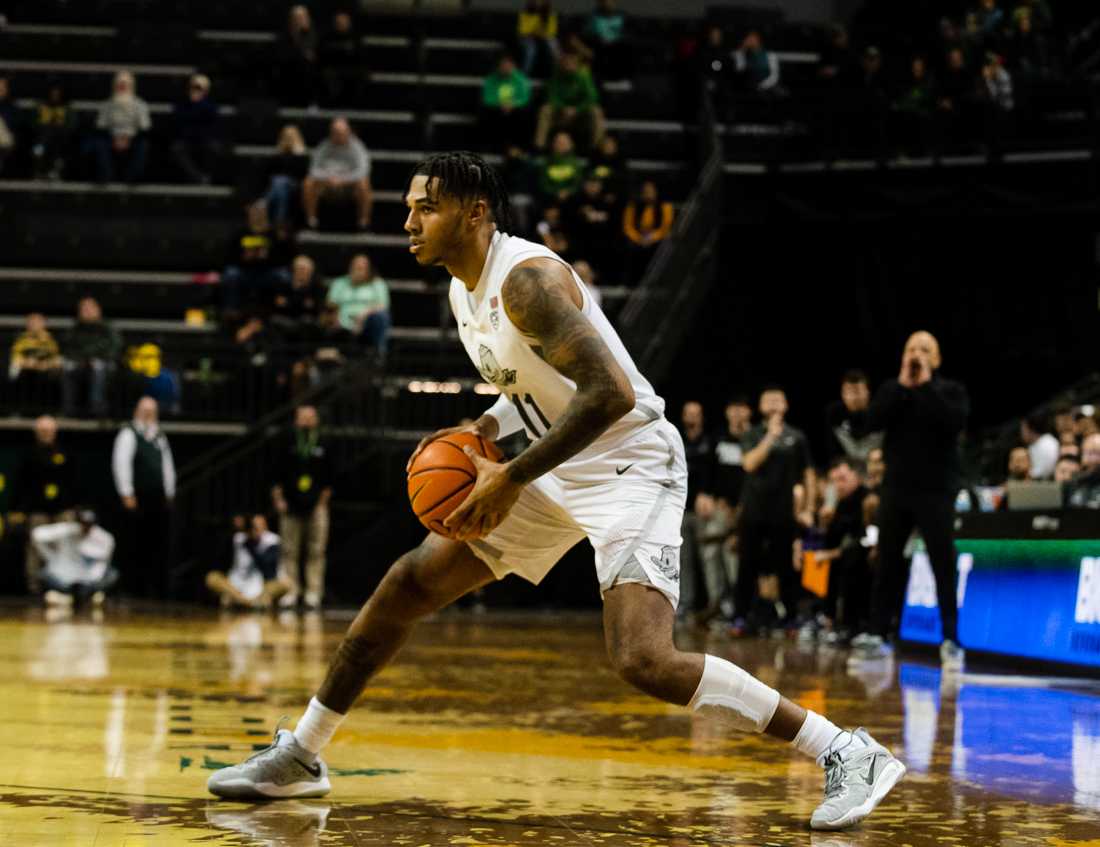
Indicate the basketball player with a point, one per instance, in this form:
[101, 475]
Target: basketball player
[602, 463]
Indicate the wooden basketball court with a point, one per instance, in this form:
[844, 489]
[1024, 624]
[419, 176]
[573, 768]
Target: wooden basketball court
[505, 730]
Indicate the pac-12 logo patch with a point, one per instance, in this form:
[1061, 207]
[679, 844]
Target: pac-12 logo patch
[668, 561]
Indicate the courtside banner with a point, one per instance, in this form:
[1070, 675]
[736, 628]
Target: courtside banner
[1034, 598]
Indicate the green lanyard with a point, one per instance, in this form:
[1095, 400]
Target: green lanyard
[307, 441]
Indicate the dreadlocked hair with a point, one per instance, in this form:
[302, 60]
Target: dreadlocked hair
[466, 176]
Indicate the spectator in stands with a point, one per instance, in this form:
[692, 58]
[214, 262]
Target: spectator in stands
[1019, 465]
[551, 231]
[339, 170]
[713, 65]
[537, 31]
[285, 172]
[46, 491]
[989, 17]
[145, 479]
[837, 65]
[606, 164]
[78, 558]
[296, 60]
[559, 173]
[252, 579]
[301, 497]
[1062, 415]
[53, 129]
[1067, 468]
[257, 261]
[122, 124]
[1027, 48]
[1085, 423]
[9, 121]
[647, 221]
[572, 103]
[955, 98]
[698, 451]
[913, 109]
[872, 101]
[589, 277]
[505, 102]
[995, 95]
[1037, 10]
[91, 351]
[35, 363]
[1042, 446]
[364, 302]
[604, 30]
[776, 459]
[343, 62]
[876, 469]
[757, 67]
[590, 220]
[197, 143]
[847, 416]
[299, 305]
[1084, 491]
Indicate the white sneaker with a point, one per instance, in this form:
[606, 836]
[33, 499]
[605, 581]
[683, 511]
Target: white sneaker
[952, 656]
[288, 601]
[284, 769]
[861, 639]
[58, 598]
[97, 599]
[874, 648]
[312, 601]
[856, 781]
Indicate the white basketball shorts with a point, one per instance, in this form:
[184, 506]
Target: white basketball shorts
[629, 505]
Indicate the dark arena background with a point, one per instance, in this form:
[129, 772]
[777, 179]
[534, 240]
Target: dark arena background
[222, 354]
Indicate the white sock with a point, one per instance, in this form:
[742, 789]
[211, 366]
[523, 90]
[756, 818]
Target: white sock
[316, 727]
[817, 734]
[737, 695]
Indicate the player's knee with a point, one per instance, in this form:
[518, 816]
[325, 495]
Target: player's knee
[641, 665]
[407, 590]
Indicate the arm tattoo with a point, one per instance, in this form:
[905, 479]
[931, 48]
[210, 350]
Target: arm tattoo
[536, 299]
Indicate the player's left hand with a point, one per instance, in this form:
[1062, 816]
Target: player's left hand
[493, 496]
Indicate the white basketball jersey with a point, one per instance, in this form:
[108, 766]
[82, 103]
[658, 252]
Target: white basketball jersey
[507, 358]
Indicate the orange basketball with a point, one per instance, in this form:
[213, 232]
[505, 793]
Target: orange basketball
[443, 475]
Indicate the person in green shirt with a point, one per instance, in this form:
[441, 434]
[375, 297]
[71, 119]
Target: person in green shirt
[363, 300]
[505, 101]
[572, 103]
[561, 172]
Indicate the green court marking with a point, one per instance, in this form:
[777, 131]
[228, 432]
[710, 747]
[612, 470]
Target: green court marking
[185, 763]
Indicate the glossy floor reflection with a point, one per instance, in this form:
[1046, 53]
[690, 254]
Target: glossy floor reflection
[506, 730]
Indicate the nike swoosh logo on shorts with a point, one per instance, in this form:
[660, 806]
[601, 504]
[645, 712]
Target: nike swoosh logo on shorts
[621, 471]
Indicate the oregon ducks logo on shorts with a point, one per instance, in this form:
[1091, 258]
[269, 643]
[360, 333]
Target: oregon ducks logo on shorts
[491, 370]
[667, 561]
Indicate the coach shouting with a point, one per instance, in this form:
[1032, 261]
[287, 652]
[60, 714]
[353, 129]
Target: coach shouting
[921, 414]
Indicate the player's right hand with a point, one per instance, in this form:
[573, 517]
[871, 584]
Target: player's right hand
[428, 439]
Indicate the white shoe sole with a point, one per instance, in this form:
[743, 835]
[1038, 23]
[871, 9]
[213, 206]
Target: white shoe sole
[888, 777]
[243, 789]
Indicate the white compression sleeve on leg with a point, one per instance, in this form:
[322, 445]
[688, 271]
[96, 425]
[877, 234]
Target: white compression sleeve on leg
[316, 727]
[740, 696]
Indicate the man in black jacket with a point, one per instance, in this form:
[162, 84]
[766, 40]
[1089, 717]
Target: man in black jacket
[922, 415]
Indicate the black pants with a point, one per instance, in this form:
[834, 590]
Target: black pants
[765, 548]
[933, 515]
[146, 569]
[849, 590]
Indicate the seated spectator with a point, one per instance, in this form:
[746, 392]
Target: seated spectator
[364, 302]
[35, 357]
[197, 144]
[912, 110]
[45, 494]
[505, 98]
[121, 127]
[1019, 465]
[1067, 468]
[1084, 491]
[339, 169]
[589, 278]
[53, 129]
[995, 95]
[92, 348]
[296, 60]
[1037, 10]
[1027, 49]
[837, 66]
[647, 221]
[590, 221]
[572, 103]
[606, 163]
[9, 121]
[955, 93]
[1085, 424]
[559, 173]
[757, 66]
[1042, 447]
[989, 17]
[78, 560]
[343, 63]
[252, 580]
[537, 32]
[604, 30]
[285, 172]
[551, 232]
[152, 379]
[1062, 415]
[256, 266]
[848, 599]
[298, 307]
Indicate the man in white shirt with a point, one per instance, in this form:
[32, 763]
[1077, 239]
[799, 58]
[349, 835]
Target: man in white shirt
[145, 478]
[78, 559]
[1042, 446]
[252, 580]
